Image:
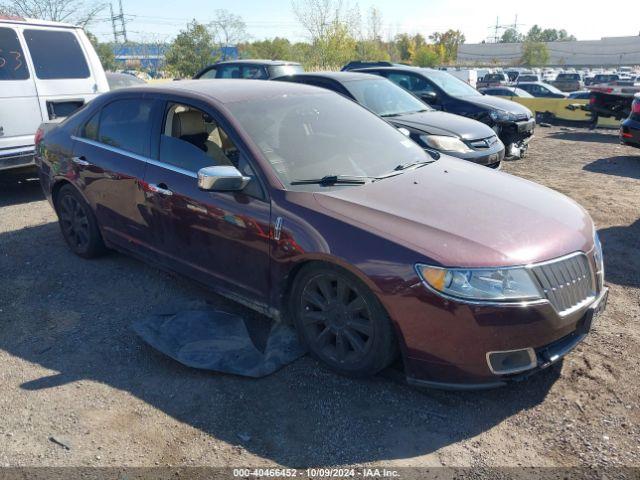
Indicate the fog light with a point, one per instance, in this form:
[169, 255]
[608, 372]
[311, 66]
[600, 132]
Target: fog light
[512, 361]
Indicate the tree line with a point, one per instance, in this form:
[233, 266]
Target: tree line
[335, 33]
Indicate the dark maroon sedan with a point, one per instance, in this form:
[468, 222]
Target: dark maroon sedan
[307, 207]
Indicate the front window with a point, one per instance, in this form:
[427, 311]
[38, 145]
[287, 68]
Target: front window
[56, 55]
[323, 134]
[12, 63]
[384, 97]
[451, 85]
[191, 139]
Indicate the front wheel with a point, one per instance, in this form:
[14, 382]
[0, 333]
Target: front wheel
[342, 322]
[78, 224]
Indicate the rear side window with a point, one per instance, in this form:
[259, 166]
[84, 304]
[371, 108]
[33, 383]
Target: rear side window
[229, 71]
[211, 73]
[126, 124]
[90, 129]
[56, 54]
[255, 72]
[12, 63]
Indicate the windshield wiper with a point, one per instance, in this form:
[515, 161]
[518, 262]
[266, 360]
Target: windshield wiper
[333, 180]
[397, 114]
[408, 165]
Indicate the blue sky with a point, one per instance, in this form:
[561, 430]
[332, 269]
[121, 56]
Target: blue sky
[161, 20]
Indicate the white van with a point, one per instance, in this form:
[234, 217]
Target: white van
[47, 70]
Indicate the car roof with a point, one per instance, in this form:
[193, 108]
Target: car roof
[399, 67]
[227, 91]
[338, 76]
[256, 62]
[34, 21]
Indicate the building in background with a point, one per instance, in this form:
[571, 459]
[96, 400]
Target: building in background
[609, 51]
[150, 57]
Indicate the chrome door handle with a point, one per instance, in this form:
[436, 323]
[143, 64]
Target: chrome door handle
[162, 191]
[80, 161]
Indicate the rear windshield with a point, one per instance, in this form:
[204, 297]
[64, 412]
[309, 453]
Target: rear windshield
[12, 64]
[568, 76]
[56, 54]
[606, 78]
[494, 77]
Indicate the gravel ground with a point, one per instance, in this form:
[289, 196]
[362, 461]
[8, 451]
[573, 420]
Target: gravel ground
[77, 387]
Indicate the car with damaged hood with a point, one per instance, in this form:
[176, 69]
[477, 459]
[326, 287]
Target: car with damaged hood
[513, 123]
[307, 207]
[432, 129]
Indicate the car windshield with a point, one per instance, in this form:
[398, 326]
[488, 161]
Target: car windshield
[451, 85]
[384, 98]
[323, 134]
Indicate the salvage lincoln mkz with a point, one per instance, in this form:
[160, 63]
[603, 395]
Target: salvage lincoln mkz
[304, 205]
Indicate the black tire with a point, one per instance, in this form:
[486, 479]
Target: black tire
[78, 224]
[341, 321]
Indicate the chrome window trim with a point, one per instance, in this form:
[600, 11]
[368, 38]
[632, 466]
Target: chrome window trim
[508, 303]
[135, 156]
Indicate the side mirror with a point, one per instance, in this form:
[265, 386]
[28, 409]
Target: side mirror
[224, 178]
[429, 97]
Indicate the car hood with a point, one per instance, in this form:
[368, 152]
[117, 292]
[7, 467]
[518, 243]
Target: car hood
[489, 101]
[459, 214]
[442, 123]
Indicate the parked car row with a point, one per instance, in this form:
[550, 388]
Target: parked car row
[512, 123]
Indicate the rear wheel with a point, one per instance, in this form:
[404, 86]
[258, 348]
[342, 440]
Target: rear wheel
[342, 322]
[78, 224]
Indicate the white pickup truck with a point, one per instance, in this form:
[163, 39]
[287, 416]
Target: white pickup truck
[47, 71]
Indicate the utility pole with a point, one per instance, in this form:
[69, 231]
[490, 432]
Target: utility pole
[119, 33]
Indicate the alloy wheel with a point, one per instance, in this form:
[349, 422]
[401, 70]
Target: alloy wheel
[336, 319]
[75, 223]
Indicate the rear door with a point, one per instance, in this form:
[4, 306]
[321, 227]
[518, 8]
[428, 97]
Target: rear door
[110, 155]
[19, 110]
[63, 75]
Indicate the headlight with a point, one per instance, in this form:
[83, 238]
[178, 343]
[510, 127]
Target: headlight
[481, 284]
[502, 116]
[446, 144]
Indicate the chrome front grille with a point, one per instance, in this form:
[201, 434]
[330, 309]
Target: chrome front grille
[568, 283]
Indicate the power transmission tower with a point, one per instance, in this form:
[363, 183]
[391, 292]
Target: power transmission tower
[121, 32]
[497, 28]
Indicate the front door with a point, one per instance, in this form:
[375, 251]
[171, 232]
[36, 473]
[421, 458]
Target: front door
[219, 238]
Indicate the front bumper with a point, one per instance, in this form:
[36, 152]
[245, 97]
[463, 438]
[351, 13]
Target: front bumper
[445, 342]
[630, 133]
[18, 157]
[517, 133]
